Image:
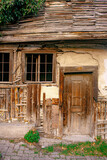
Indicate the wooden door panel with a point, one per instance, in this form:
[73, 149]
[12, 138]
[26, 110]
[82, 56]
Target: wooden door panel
[76, 97]
[77, 102]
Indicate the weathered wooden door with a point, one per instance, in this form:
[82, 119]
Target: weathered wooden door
[77, 103]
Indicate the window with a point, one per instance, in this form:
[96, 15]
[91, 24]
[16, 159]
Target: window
[4, 66]
[39, 67]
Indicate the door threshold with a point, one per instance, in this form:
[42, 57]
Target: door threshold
[78, 138]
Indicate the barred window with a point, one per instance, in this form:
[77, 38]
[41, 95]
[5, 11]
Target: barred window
[39, 67]
[4, 66]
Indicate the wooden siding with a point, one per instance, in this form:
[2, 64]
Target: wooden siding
[12, 103]
[20, 103]
[101, 118]
[61, 20]
[51, 116]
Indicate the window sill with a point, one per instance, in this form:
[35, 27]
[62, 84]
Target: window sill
[5, 82]
[41, 82]
[4, 85]
[48, 83]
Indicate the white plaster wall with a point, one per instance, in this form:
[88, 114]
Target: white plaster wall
[50, 91]
[105, 73]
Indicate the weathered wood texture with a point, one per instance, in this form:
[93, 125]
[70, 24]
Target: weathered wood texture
[33, 103]
[20, 103]
[12, 103]
[82, 69]
[61, 20]
[61, 90]
[77, 103]
[5, 104]
[51, 116]
[76, 92]
[101, 118]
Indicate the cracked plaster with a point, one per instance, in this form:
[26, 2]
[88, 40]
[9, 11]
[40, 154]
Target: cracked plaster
[87, 57]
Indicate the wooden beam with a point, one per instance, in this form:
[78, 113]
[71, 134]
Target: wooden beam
[29, 102]
[34, 99]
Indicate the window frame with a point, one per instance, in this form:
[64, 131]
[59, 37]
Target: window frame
[10, 64]
[38, 52]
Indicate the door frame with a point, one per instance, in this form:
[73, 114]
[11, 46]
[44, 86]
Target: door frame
[79, 69]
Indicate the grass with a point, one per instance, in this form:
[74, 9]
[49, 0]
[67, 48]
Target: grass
[11, 141]
[48, 149]
[98, 148]
[57, 158]
[0, 155]
[36, 152]
[24, 145]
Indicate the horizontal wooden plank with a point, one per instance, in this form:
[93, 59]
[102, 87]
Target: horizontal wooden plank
[101, 128]
[102, 122]
[21, 104]
[102, 133]
[12, 86]
[61, 20]
[53, 36]
[3, 110]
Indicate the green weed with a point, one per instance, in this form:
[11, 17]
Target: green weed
[36, 152]
[98, 148]
[11, 141]
[57, 158]
[32, 136]
[24, 145]
[0, 155]
[65, 152]
[103, 148]
[49, 149]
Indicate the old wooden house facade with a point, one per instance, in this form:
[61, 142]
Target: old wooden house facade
[54, 67]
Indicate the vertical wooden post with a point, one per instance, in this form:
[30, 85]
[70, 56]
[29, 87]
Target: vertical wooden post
[16, 101]
[9, 104]
[60, 122]
[61, 88]
[29, 102]
[23, 67]
[5, 102]
[12, 102]
[38, 103]
[96, 117]
[44, 111]
[15, 64]
[20, 101]
[34, 99]
[48, 116]
[105, 119]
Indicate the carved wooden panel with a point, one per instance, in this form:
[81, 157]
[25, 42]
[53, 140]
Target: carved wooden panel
[77, 102]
